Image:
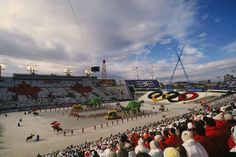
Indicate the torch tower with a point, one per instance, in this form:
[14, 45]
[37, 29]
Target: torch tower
[104, 69]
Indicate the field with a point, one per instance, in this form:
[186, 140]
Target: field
[13, 137]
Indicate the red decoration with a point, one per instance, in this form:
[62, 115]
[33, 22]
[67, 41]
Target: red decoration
[25, 89]
[81, 89]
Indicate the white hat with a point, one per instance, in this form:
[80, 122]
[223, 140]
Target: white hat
[157, 138]
[153, 145]
[190, 125]
[186, 135]
[171, 152]
[234, 112]
[228, 116]
[140, 141]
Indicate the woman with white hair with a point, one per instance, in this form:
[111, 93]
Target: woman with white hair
[193, 148]
[140, 147]
[155, 150]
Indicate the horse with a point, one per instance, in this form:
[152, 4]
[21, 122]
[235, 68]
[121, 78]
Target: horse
[29, 137]
[58, 129]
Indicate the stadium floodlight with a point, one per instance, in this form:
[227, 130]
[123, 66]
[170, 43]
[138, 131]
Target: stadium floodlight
[31, 68]
[88, 72]
[2, 67]
[67, 71]
[137, 72]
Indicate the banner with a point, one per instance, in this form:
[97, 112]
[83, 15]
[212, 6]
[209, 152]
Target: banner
[143, 84]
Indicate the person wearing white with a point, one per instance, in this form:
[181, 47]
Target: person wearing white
[130, 150]
[155, 151]
[193, 148]
[140, 147]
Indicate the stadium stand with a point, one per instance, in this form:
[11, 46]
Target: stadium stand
[228, 85]
[42, 91]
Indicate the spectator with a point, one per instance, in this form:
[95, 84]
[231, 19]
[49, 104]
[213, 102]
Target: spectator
[160, 141]
[182, 151]
[193, 148]
[142, 154]
[155, 150]
[173, 140]
[122, 152]
[211, 147]
[140, 147]
[130, 150]
[171, 152]
[232, 140]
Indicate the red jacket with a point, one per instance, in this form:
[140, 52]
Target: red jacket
[231, 143]
[162, 145]
[211, 147]
[212, 132]
[216, 135]
[173, 141]
[224, 128]
[135, 137]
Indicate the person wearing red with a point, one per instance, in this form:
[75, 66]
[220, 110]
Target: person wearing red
[232, 142]
[173, 140]
[135, 137]
[223, 129]
[210, 146]
[213, 133]
[159, 139]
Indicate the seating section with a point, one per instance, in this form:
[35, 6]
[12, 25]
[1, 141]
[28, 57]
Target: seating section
[53, 92]
[228, 85]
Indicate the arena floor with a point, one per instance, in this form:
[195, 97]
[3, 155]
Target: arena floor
[12, 142]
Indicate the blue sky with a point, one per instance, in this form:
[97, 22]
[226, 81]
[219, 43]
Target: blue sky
[127, 33]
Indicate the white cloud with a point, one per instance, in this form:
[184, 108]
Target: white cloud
[113, 29]
[217, 20]
[166, 41]
[202, 35]
[44, 33]
[231, 47]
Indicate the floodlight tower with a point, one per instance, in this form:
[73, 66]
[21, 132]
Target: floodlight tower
[31, 68]
[88, 73]
[137, 73]
[2, 67]
[104, 69]
[67, 71]
[152, 72]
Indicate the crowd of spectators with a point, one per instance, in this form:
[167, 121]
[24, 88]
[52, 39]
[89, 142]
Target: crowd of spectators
[54, 93]
[208, 132]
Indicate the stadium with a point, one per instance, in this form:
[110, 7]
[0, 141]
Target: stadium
[53, 98]
[117, 78]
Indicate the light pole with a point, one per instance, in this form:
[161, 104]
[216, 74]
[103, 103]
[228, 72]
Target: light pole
[137, 72]
[31, 68]
[87, 73]
[2, 67]
[152, 72]
[67, 71]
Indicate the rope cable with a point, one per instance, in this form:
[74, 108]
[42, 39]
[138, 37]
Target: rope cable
[78, 26]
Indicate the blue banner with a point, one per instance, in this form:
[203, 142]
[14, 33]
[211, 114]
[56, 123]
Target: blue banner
[143, 84]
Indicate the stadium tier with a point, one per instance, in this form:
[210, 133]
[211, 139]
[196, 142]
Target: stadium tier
[46, 90]
[228, 85]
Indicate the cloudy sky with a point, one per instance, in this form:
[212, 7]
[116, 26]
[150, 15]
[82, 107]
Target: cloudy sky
[131, 35]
